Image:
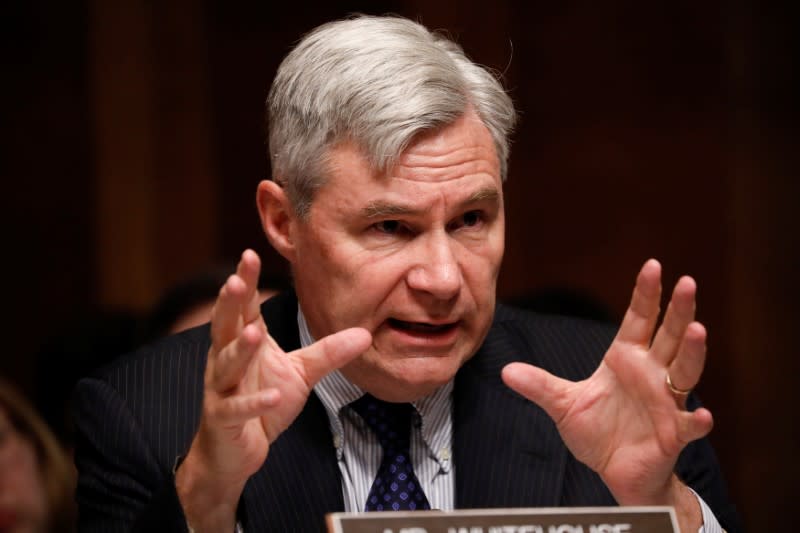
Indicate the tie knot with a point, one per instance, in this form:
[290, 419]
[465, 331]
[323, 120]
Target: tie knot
[391, 422]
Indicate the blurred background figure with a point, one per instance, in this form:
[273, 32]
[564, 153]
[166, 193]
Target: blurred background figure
[92, 340]
[36, 477]
[188, 304]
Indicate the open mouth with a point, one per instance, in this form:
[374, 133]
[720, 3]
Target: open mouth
[421, 327]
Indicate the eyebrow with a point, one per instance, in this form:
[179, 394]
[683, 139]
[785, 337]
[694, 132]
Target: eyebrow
[380, 208]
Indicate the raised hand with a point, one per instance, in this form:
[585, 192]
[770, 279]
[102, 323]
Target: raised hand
[253, 391]
[624, 421]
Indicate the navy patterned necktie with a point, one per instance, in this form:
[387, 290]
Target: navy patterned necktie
[395, 488]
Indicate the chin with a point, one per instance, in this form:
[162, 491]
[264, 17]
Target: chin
[406, 378]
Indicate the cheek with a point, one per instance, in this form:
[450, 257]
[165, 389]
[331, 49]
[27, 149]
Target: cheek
[481, 264]
[349, 285]
[376, 280]
[331, 252]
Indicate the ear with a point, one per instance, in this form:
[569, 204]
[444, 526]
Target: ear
[277, 217]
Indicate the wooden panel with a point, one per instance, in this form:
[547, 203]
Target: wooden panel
[125, 125]
[155, 165]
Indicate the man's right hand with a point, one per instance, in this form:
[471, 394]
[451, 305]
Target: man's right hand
[253, 391]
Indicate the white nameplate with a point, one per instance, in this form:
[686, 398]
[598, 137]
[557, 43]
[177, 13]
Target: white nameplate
[529, 520]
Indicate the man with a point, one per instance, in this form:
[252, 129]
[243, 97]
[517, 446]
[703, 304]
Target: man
[388, 150]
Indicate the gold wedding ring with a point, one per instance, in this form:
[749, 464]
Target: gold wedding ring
[675, 390]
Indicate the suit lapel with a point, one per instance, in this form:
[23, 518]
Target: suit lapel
[507, 450]
[300, 480]
[280, 315]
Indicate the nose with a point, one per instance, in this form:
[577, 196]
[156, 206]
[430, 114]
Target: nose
[436, 270]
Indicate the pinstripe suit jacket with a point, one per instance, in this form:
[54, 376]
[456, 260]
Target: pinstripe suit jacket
[138, 415]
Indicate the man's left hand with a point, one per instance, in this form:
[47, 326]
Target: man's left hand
[624, 421]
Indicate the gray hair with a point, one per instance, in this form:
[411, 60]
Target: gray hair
[378, 82]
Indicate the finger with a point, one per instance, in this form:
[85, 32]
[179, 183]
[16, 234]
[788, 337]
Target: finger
[549, 392]
[694, 425]
[248, 269]
[232, 362]
[680, 313]
[332, 352]
[687, 366]
[226, 319]
[236, 409]
[640, 318]
[233, 302]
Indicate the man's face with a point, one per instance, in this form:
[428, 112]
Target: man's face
[411, 255]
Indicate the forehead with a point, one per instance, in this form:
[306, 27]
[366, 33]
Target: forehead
[461, 148]
[455, 163]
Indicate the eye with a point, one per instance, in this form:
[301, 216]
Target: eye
[389, 227]
[472, 218]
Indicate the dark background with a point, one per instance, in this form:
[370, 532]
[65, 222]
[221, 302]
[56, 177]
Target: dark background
[133, 141]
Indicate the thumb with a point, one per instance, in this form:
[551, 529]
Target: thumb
[332, 352]
[549, 392]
